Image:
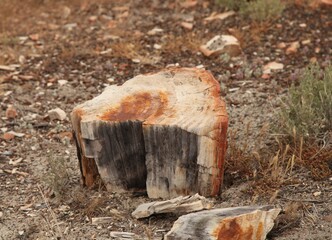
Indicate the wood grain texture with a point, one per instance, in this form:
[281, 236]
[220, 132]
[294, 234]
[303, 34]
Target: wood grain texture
[241, 223]
[164, 131]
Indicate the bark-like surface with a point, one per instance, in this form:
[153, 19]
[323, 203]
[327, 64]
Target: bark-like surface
[163, 131]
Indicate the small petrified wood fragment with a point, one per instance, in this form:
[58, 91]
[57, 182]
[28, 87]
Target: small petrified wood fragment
[242, 223]
[177, 205]
[163, 131]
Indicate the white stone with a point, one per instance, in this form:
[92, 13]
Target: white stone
[57, 114]
[272, 66]
[110, 80]
[316, 194]
[156, 46]
[62, 82]
[155, 30]
[222, 44]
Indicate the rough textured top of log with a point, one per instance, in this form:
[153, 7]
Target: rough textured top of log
[171, 97]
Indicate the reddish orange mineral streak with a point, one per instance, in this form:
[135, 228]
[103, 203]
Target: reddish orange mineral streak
[140, 106]
[231, 229]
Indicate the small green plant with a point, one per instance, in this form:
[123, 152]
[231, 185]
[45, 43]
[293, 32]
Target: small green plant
[257, 10]
[307, 111]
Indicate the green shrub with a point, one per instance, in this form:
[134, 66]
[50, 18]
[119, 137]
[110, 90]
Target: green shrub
[307, 111]
[258, 10]
[262, 10]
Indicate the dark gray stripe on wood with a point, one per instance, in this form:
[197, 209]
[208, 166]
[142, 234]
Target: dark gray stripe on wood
[171, 160]
[123, 153]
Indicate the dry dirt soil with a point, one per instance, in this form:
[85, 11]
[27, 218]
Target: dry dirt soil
[62, 53]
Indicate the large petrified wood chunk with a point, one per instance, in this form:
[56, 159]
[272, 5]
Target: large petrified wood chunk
[241, 223]
[163, 131]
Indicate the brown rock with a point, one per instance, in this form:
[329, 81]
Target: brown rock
[11, 112]
[187, 25]
[163, 131]
[313, 60]
[7, 68]
[34, 37]
[8, 136]
[265, 76]
[272, 66]
[242, 223]
[281, 45]
[188, 3]
[293, 48]
[93, 18]
[67, 134]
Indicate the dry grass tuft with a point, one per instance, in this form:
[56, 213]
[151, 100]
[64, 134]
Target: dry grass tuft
[126, 49]
[269, 171]
[290, 216]
[242, 159]
[318, 160]
[177, 44]
[280, 166]
[93, 207]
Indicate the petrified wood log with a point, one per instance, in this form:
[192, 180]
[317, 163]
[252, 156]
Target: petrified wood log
[163, 131]
[241, 223]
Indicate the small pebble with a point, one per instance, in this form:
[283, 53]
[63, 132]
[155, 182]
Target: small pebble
[57, 114]
[11, 112]
[8, 136]
[316, 194]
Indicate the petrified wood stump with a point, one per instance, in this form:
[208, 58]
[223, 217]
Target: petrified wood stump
[163, 131]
